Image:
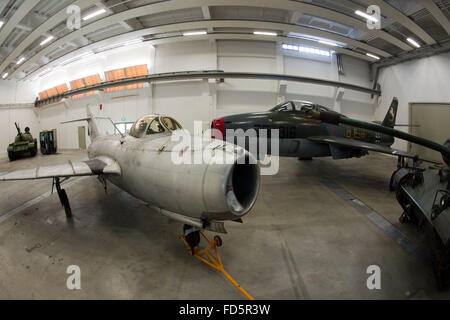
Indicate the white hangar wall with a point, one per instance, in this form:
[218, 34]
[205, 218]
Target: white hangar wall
[422, 80]
[193, 100]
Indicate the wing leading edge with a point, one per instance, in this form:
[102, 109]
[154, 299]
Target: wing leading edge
[356, 144]
[96, 166]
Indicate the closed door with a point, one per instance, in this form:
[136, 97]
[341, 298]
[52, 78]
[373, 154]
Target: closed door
[82, 137]
[432, 120]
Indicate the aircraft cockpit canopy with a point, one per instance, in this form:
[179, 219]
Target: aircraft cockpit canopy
[298, 105]
[152, 124]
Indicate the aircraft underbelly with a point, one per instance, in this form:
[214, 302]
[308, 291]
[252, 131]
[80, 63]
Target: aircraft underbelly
[309, 149]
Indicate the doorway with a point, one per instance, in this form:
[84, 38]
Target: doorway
[431, 121]
[82, 137]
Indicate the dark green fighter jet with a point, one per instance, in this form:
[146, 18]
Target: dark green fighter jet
[303, 136]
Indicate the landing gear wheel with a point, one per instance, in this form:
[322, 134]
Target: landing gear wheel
[192, 236]
[391, 182]
[218, 241]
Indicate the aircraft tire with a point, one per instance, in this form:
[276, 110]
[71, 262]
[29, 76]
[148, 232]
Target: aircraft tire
[192, 238]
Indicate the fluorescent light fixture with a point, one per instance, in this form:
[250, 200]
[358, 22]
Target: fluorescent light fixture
[73, 59]
[50, 38]
[1, 24]
[413, 42]
[94, 14]
[131, 42]
[372, 56]
[20, 60]
[194, 33]
[5, 75]
[305, 49]
[328, 43]
[45, 72]
[120, 44]
[365, 15]
[265, 33]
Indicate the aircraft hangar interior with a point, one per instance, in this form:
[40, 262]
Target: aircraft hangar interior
[224, 149]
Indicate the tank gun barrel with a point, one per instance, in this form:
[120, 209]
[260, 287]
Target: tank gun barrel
[333, 118]
[19, 133]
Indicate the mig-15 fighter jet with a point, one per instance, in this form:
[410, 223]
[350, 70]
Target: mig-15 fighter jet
[200, 195]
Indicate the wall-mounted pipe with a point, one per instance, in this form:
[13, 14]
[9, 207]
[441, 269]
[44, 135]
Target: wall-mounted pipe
[214, 74]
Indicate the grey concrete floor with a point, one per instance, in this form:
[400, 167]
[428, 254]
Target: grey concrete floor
[301, 241]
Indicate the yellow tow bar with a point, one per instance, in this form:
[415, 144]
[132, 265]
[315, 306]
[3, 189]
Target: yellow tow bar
[215, 263]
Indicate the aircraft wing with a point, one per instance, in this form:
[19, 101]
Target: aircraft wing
[357, 144]
[96, 166]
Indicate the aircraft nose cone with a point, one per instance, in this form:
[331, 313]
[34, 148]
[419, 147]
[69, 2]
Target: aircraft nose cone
[218, 129]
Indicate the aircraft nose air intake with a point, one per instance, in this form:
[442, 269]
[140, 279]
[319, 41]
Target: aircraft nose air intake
[242, 186]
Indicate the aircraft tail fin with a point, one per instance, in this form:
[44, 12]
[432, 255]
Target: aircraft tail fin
[391, 115]
[93, 128]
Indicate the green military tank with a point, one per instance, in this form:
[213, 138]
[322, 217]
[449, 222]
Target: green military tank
[23, 144]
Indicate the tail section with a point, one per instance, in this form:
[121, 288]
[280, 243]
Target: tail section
[93, 128]
[391, 115]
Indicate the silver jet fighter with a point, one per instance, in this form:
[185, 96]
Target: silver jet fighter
[202, 196]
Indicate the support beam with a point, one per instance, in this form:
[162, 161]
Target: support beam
[437, 14]
[102, 5]
[204, 24]
[171, 5]
[206, 12]
[294, 17]
[218, 36]
[399, 17]
[20, 13]
[207, 16]
[425, 52]
[56, 19]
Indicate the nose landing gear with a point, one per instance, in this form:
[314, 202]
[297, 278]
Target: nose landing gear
[191, 239]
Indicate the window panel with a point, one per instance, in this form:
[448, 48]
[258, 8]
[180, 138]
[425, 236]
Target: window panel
[136, 71]
[77, 84]
[43, 95]
[52, 92]
[115, 74]
[91, 80]
[62, 88]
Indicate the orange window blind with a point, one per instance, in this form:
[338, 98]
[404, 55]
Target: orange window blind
[43, 95]
[52, 92]
[62, 88]
[115, 75]
[90, 81]
[85, 82]
[136, 71]
[77, 84]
